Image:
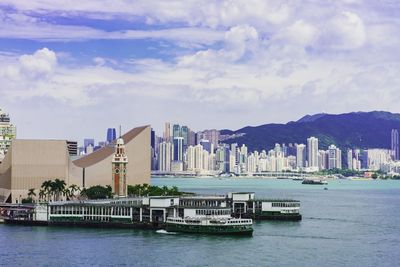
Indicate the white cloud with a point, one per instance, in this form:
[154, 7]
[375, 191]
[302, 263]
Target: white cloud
[299, 33]
[42, 62]
[346, 31]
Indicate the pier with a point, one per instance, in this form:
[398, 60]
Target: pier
[149, 212]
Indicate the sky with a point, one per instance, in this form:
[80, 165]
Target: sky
[71, 69]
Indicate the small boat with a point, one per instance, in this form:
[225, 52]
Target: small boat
[325, 188]
[210, 225]
[314, 181]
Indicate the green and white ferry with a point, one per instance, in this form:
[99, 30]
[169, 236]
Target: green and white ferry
[210, 225]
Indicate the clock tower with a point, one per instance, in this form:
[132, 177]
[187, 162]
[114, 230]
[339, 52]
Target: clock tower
[119, 162]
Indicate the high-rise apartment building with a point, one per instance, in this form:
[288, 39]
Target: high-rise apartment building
[376, 157]
[7, 132]
[312, 152]
[334, 157]
[195, 158]
[395, 144]
[165, 155]
[222, 157]
[323, 159]
[350, 159]
[301, 156]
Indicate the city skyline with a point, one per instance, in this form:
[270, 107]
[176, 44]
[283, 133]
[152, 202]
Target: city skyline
[205, 64]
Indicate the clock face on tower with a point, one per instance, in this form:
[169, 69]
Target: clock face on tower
[116, 171]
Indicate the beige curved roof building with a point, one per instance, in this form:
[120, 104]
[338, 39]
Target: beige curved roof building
[29, 163]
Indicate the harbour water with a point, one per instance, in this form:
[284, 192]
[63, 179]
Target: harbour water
[353, 223]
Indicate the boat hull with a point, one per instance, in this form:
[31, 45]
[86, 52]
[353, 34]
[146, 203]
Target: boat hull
[209, 229]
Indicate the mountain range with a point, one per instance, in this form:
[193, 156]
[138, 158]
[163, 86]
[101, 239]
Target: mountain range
[350, 130]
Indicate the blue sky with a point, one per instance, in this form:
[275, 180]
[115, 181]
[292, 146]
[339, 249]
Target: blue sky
[69, 69]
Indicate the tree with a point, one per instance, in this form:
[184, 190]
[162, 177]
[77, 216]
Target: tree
[58, 188]
[47, 188]
[97, 192]
[42, 194]
[31, 193]
[152, 190]
[72, 189]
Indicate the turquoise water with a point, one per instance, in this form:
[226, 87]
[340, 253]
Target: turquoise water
[354, 223]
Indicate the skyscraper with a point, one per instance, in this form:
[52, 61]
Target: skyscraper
[334, 157]
[211, 135]
[178, 149]
[301, 155]
[312, 152]
[153, 139]
[323, 159]
[153, 149]
[111, 135]
[349, 159]
[176, 131]
[395, 144]
[167, 132]
[88, 142]
[191, 138]
[185, 135]
[165, 156]
[7, 132]
[206, 145]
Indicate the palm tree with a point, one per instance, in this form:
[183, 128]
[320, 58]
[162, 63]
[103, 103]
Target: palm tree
[73, 189]
[47, 187]
[67, 193]
[42, 194]
[59, 187]
[31, 193]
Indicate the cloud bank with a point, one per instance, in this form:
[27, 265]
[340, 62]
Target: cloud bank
[215, 63]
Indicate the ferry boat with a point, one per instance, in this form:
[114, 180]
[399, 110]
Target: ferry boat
[210, 225]
[315, 181]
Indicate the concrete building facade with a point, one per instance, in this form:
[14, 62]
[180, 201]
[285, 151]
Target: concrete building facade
[29, 163]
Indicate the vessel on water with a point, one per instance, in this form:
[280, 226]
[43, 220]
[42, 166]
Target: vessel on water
[210, 225]
[298, 179]
[314, 181]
